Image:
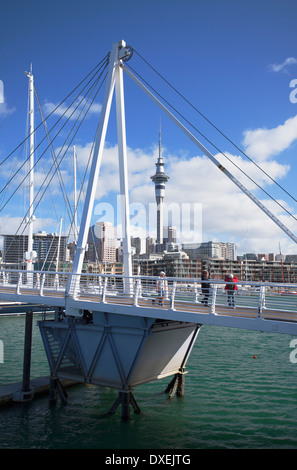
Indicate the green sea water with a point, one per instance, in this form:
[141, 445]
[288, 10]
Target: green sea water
[232, 399]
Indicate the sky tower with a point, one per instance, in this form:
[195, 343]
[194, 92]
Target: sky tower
[160, 179]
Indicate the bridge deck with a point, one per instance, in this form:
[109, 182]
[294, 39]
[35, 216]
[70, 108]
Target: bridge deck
[183, 300]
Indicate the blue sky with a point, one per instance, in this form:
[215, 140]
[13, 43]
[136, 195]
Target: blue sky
[233, 60]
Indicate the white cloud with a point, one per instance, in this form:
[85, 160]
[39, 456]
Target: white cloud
[79, 106]
[283, 66]
[5, 110]
[262, 144]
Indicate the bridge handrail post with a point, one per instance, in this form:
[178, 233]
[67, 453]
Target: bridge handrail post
[137, 291]
[37, 283]
[19, 283]
[213, 293]
[42, 284]
[261, 303]
[104, 289]
[196, 292]
[100, 284]
[173, 290]
[3, 275]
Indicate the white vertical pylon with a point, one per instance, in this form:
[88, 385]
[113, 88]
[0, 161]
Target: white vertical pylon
[114, 75]
[123, 170]
[75, 196]
[30, 255]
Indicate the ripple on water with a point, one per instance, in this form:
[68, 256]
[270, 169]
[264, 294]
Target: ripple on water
[231, 400]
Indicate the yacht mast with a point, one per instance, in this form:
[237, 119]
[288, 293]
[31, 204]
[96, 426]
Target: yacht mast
[29, 255]
[75, 195]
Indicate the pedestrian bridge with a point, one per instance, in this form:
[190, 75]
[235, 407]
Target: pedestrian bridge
[258, 306]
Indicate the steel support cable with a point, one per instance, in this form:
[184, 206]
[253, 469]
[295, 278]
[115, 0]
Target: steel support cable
[47, 254]
[105, 59]
[51, 140]
[35, 163]
[105, 66]
[12, 172]
[87, 166]
[215, 127]
[46, 147]
[63, 114]
[59, 163]
[74, 135]
[209, 141]
[209, 154]
[61, 182]
[24, 218]
[61, 117]
[83, 180]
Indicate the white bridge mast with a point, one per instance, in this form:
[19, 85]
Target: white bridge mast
[114, 80]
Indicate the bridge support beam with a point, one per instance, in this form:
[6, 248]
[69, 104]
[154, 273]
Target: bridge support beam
[26, 393]
[126, 399]
[177, 385]
[56, 386]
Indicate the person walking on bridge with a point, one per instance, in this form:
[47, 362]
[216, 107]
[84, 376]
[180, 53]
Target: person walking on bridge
[161, 288]
[205, 286]
[231, 287]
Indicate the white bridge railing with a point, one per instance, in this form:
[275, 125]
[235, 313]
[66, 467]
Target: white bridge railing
[179, 293]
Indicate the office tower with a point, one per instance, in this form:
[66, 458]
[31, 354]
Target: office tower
[101, 243]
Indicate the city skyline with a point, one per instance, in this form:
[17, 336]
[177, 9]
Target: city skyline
[104, 250]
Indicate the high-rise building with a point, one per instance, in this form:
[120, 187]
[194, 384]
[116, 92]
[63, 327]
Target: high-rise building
[101, 243]
[137, 243]
[48, 245]
[211, 250]
[159, 179]
[169, 234]
[149, 245]
[14, 248]
[45, 244]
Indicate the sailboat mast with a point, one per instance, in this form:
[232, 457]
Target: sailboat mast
[29, 254]
[75, 196]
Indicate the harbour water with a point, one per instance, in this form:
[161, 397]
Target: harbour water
[240, 393]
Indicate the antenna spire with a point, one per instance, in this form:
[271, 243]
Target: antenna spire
[160, 142]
